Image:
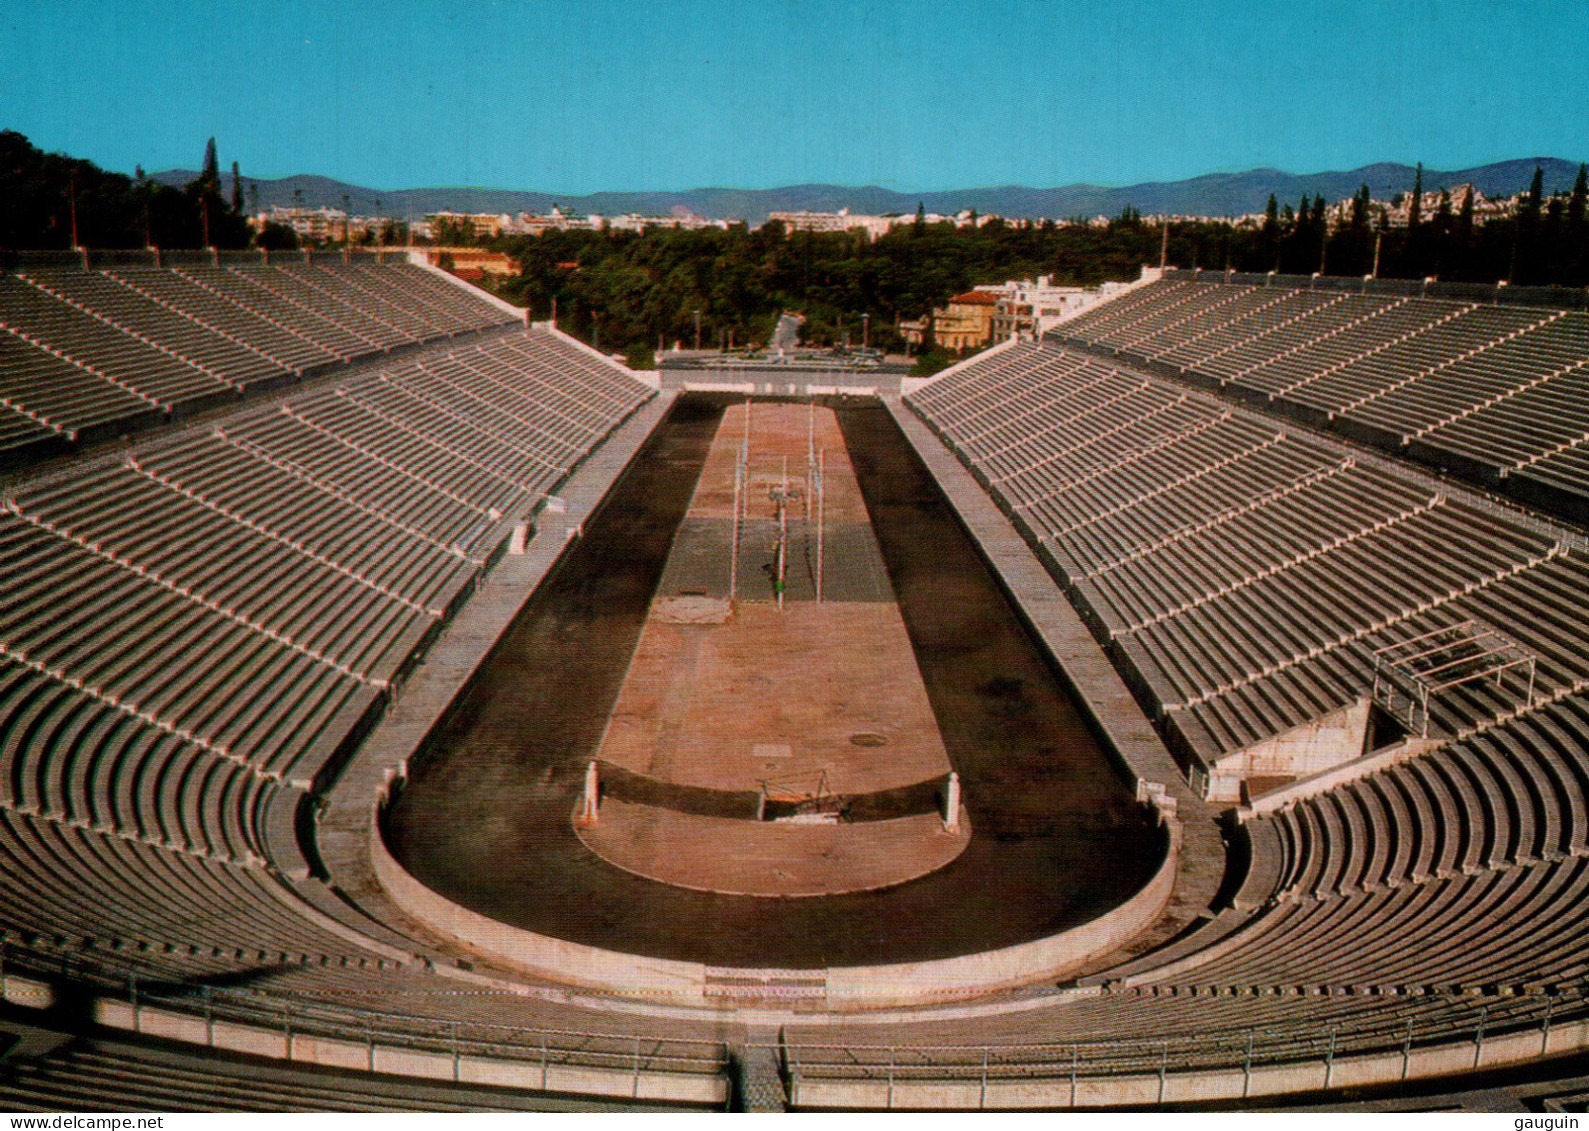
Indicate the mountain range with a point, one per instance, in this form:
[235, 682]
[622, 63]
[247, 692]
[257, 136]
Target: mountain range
[1215, 194]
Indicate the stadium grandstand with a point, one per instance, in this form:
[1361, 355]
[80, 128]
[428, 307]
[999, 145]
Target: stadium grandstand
[1304, 553]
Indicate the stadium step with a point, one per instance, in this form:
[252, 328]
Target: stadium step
[758, 1079]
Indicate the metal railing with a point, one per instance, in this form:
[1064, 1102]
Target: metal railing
[301, 1016]
[1423, 1022]
[1391, 1021]
[1561, 298]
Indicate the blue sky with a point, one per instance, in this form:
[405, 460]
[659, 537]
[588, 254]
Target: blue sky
[579, 97]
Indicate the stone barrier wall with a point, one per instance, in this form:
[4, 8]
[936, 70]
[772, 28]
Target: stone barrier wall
[1197, 1086]
[376, 1056]
[848, 987]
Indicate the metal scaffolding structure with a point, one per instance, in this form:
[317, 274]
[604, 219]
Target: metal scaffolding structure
[1408, 673]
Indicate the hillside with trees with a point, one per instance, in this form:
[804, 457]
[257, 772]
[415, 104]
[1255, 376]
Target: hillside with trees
[57, 202]
[634, 289]
[627, 291]
[623, 290]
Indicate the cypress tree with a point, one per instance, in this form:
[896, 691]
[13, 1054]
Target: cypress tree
[210, 175]
[1526, 231]
[1578, 246]
[1528, 210]
[1416, 207]
[237, 190]
[1576, 202]
[1320, 230]
[1360, 203]
[1465, 216]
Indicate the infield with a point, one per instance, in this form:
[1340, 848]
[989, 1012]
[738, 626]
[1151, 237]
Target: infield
[485, 816]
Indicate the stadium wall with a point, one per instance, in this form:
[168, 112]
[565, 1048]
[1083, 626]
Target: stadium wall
[1235, 1083]
[671, 982]
[377, 1056]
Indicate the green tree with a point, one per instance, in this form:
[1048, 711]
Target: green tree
[449, 231]
[1525, 237]
[639, 356]
[276, 237]
[1528, 209]
[1577, 231]
[210, 172]
[1319, 231]
[1360, 203]
[1270, 232]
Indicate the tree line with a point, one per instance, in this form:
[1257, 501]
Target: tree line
[628, 291]
[1545, 243]
[52, 201]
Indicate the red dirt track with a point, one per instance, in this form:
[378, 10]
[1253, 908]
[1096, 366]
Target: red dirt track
[484, 818]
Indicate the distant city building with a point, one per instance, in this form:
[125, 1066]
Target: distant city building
[483, 225]
[841, 221]
[996, 311]
[317, 225]
[967, 322]
[472, 263]
[1028, 307]
[328, 225]
[532, 224]
[682, 218]
[1398, 211]
[535, 224]
[874, 226]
